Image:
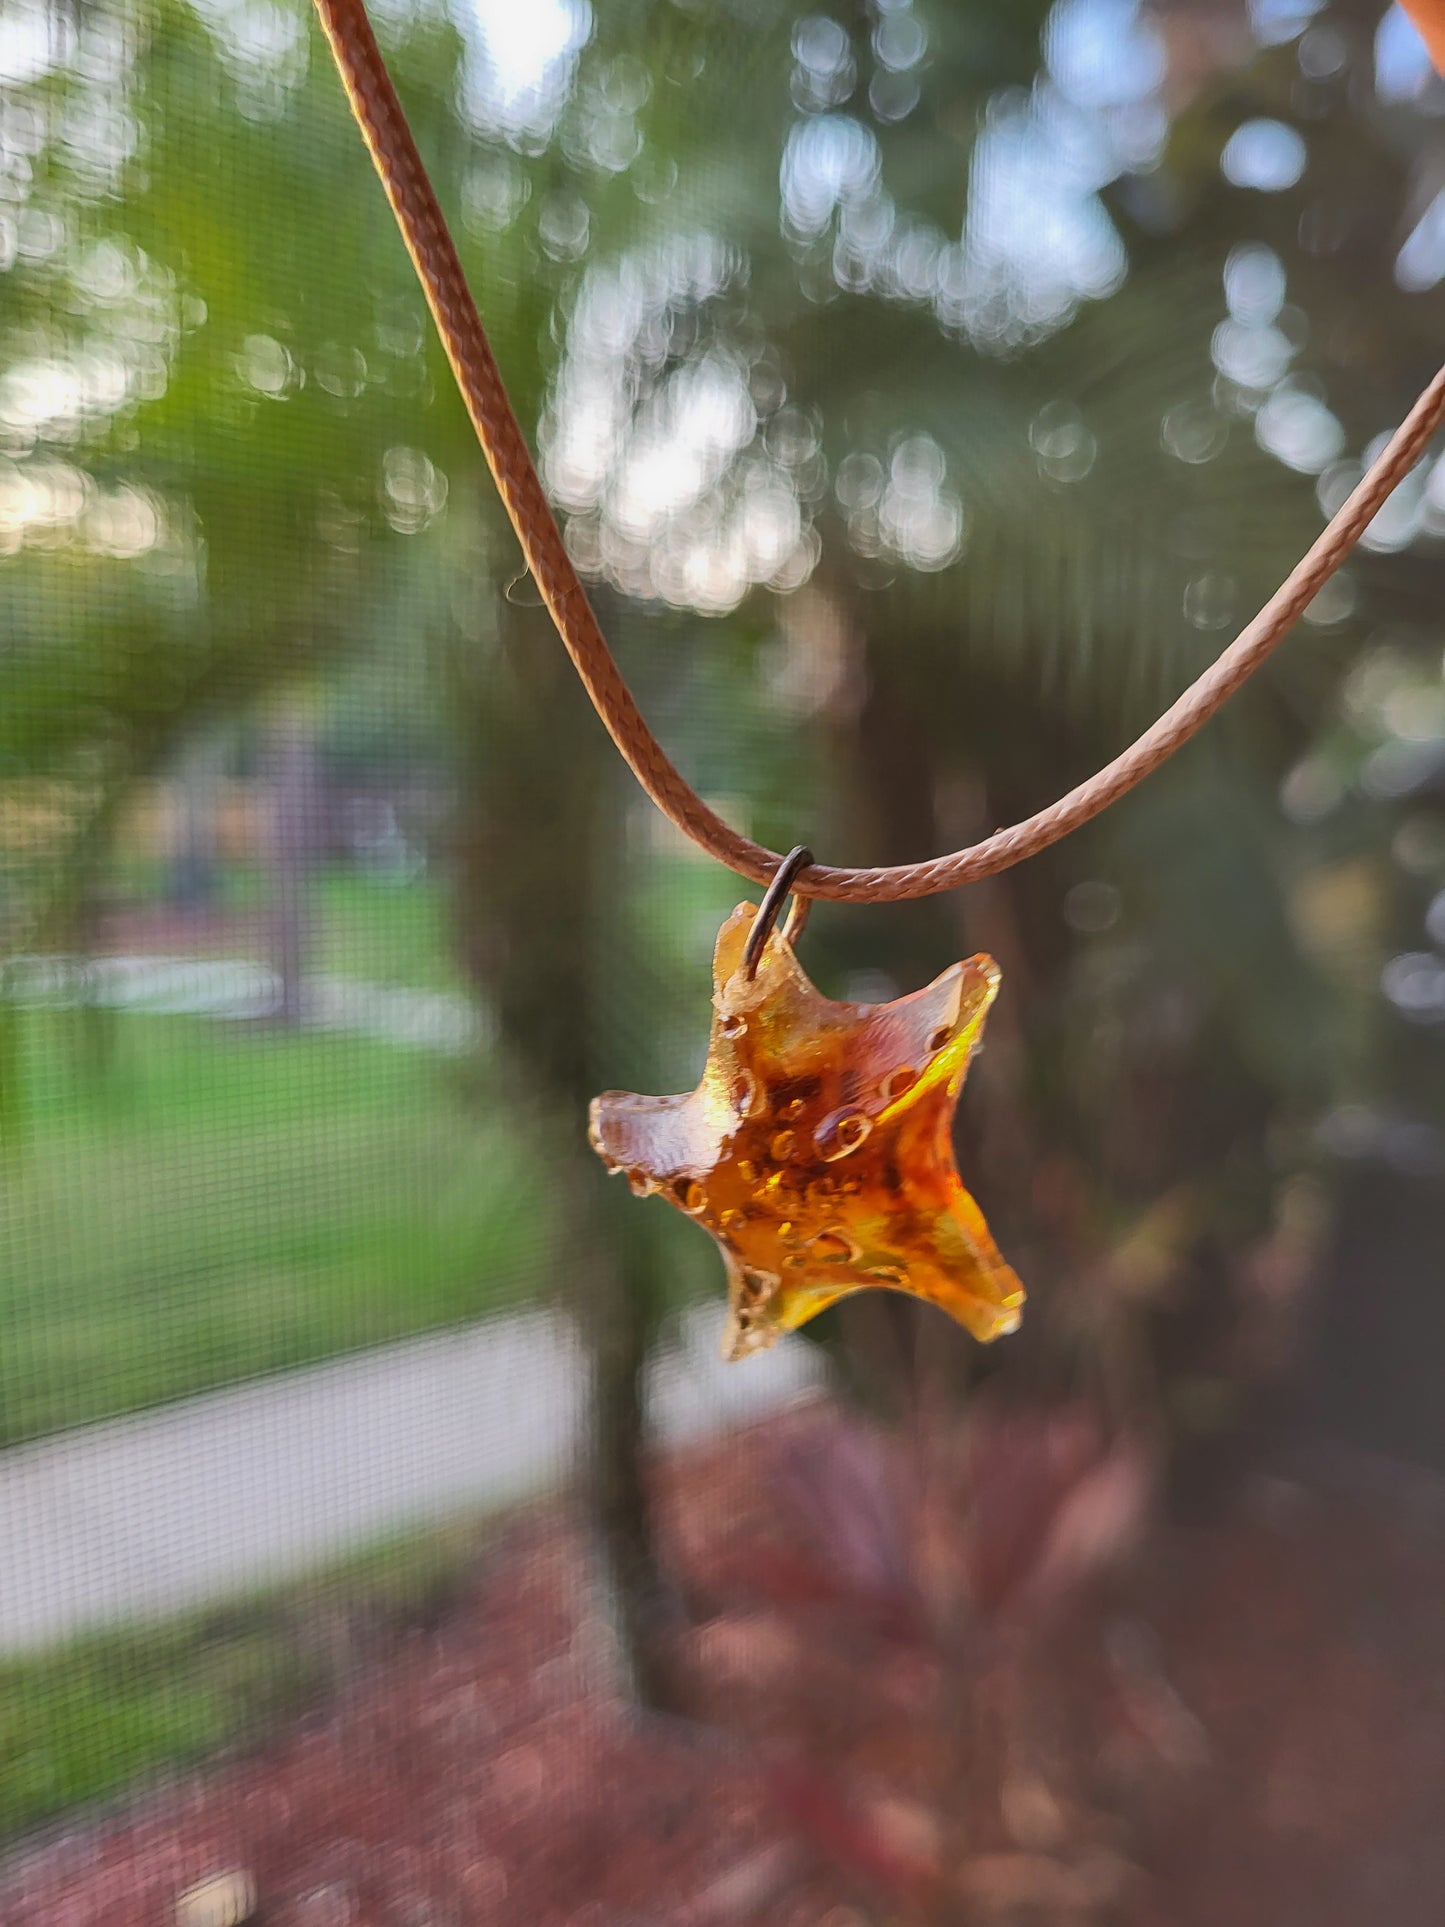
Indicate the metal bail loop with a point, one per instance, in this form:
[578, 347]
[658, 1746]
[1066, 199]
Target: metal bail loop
[792, 864]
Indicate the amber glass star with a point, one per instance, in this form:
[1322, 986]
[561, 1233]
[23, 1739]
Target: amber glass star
[817, 1150]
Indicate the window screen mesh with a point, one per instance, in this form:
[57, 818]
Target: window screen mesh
[927, 392]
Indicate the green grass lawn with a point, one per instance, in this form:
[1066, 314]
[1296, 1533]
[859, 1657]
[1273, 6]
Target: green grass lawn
[199, 1200]
[225, 1199]
[202, 1201]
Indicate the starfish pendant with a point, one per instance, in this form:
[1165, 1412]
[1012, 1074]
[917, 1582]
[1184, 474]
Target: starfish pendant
[817, 1148]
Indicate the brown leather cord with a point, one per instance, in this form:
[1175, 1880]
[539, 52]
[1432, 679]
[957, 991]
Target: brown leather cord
[388, 137]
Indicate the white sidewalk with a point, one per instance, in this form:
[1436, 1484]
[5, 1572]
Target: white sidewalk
[240, 990]
[144, 1516]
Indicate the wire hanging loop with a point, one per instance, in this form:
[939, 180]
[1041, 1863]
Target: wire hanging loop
[797, 860]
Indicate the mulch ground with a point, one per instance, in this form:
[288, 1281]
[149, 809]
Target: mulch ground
[1247, 1727]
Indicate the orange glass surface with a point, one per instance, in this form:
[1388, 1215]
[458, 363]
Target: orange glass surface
[1429, 19]
[817, 1147]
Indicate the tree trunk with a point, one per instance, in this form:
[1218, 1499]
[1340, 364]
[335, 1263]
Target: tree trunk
[540, 925]
[294, 823]
[193, 866]
[620, 1320]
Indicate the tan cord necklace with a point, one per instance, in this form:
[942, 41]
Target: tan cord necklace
[389, 139]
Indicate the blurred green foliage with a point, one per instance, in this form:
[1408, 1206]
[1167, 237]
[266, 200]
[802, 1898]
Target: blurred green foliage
[928, 391]
[929, 388]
